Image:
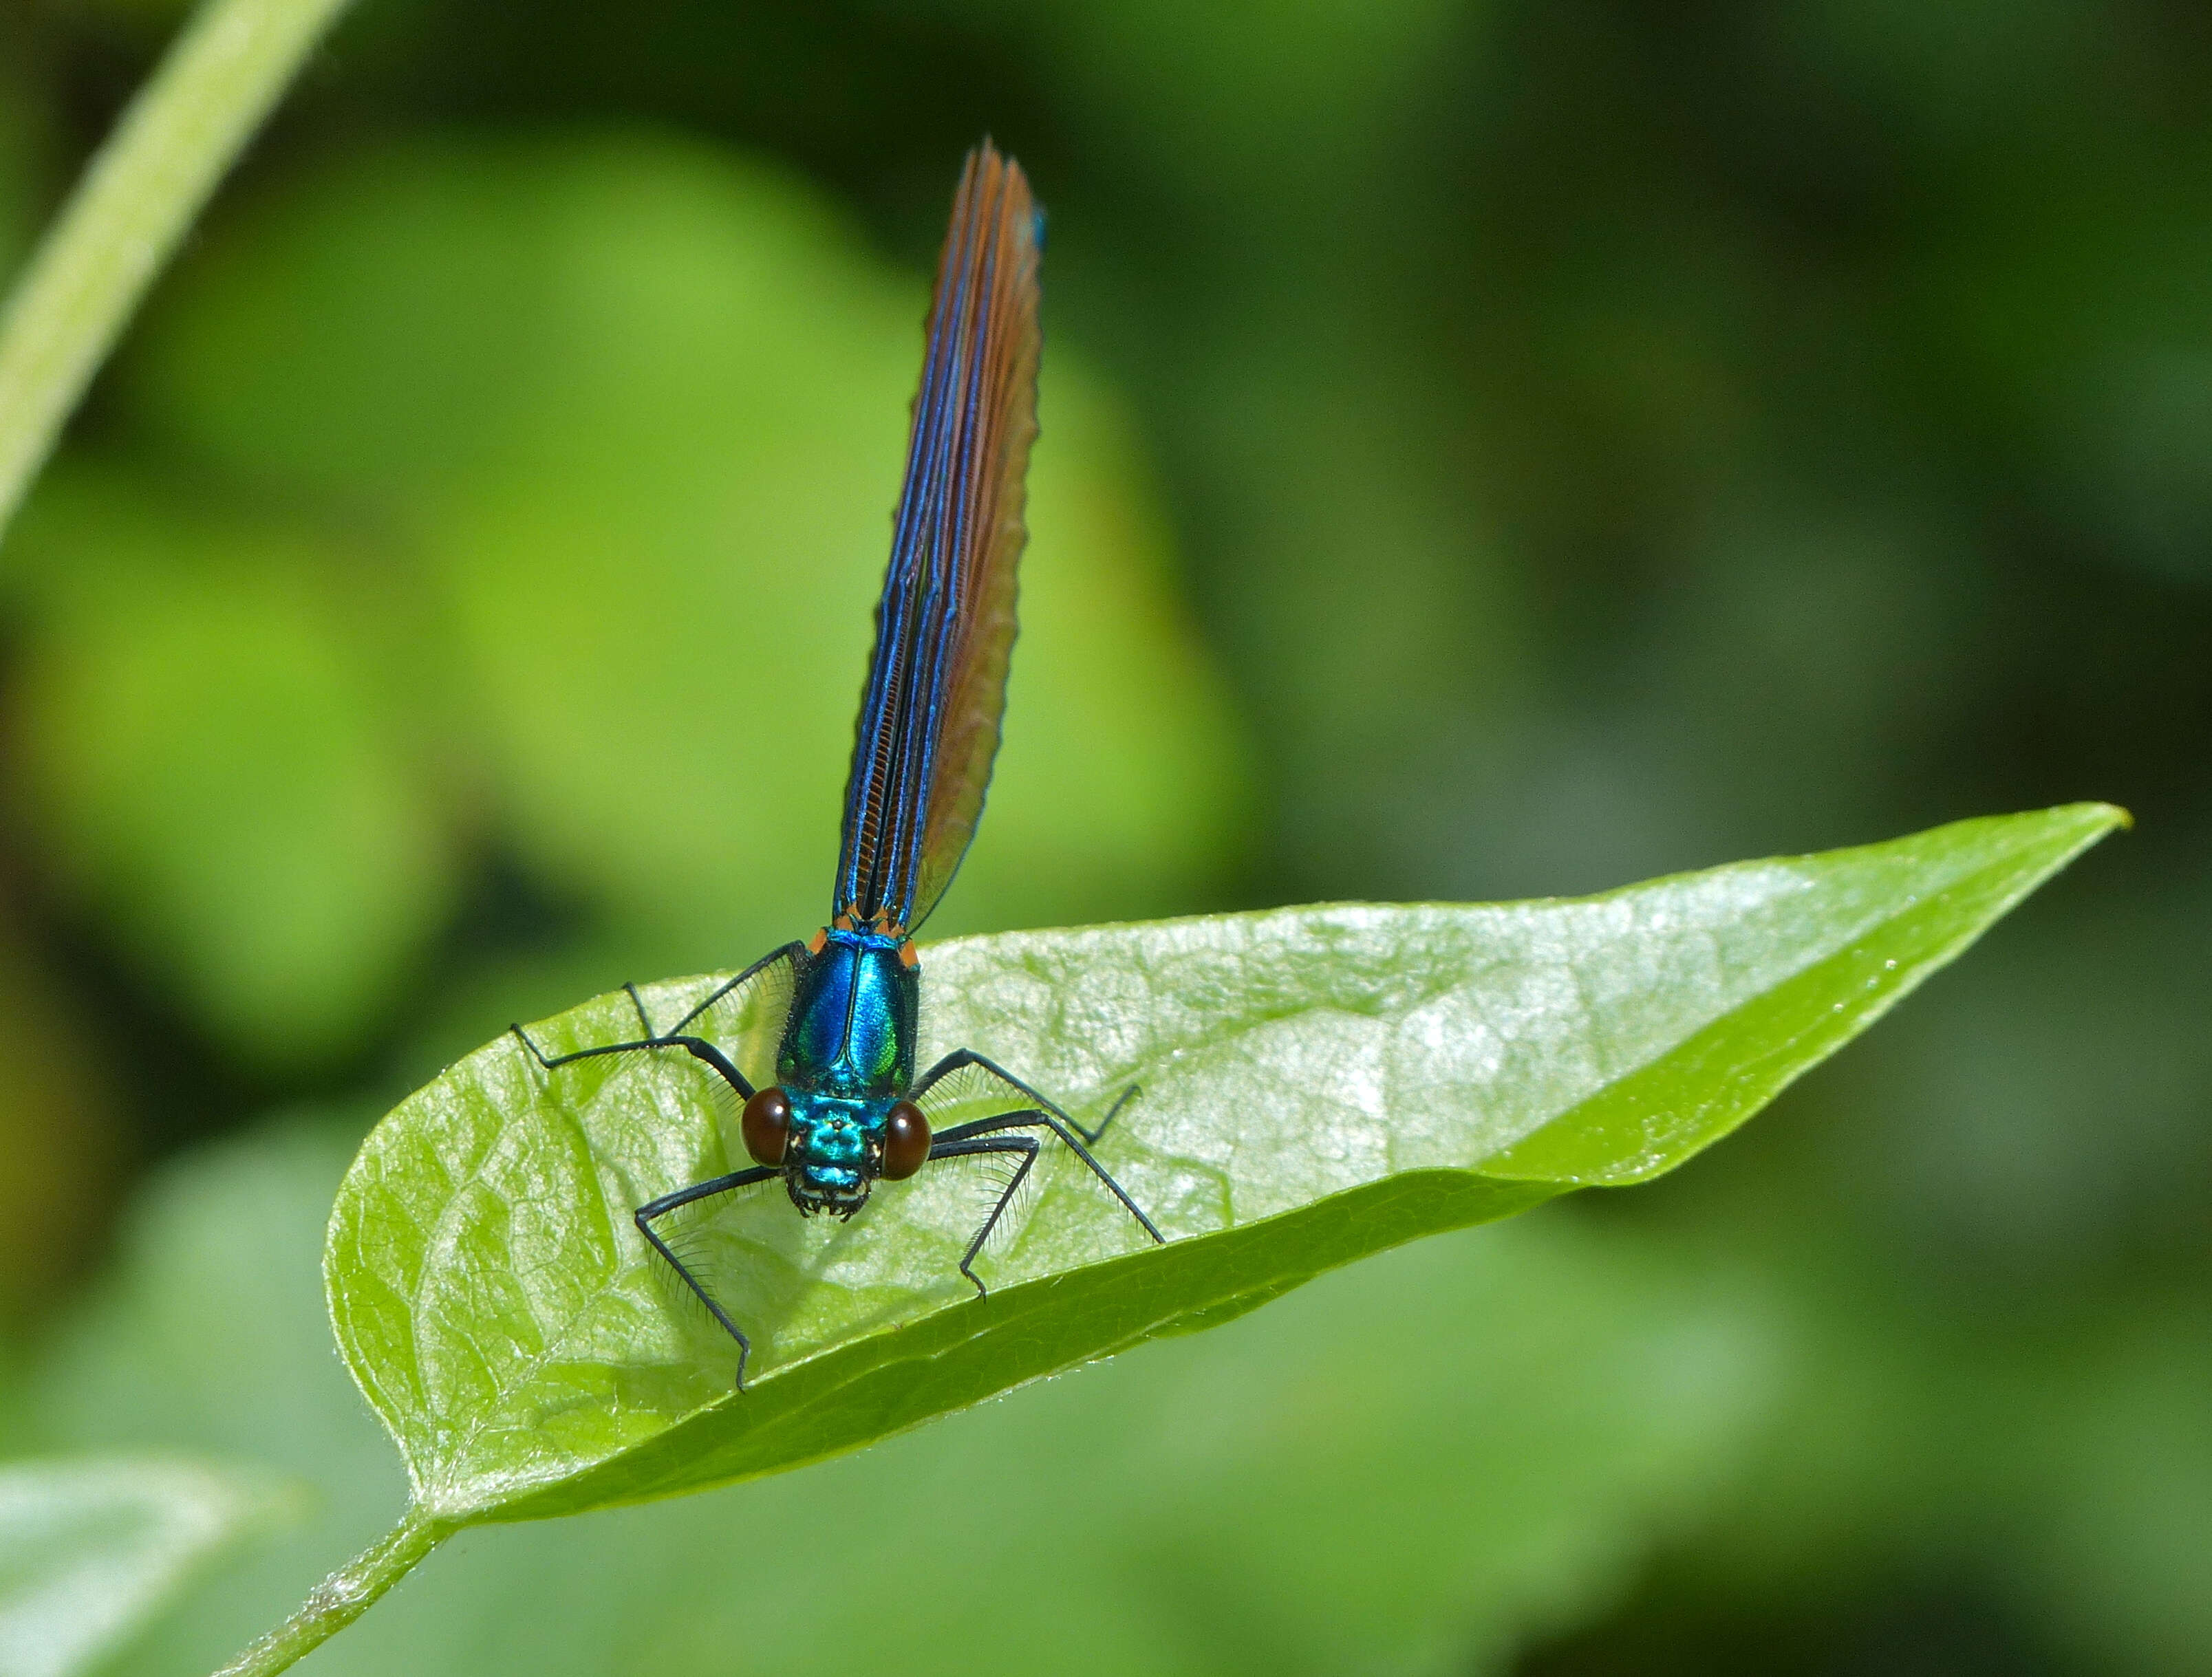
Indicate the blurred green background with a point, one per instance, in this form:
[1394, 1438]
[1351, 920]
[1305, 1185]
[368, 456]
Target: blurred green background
[1489, 451]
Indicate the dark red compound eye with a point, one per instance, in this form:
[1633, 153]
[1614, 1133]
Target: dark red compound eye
[766, 1125]
[905, 1141]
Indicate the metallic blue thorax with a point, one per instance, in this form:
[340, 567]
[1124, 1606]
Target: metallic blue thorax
[848, 1053]
[851, 1025]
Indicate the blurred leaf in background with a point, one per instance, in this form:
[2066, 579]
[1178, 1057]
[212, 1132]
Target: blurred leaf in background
[211, 1330]
[21, 135]
[209, 764]
[91, 1548]
[63, 1144]
[63, 1151]
[584, 453]
[635, 412]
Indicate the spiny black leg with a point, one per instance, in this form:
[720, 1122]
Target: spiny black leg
[950, 1144]
[536, 1053]
[700, 1049]
[698, 1046]
[1026, 1145]
[684, 1196]
[960, 1059]
[791, 951]
[1112, 1112]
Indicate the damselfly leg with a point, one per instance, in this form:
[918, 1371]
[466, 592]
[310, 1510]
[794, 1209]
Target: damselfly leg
[680, 1036]
[677, 1036]
[999, 1134]
[645, 1215]
[980, 1070]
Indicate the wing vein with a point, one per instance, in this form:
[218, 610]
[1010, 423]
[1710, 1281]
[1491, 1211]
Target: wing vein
[931, 709]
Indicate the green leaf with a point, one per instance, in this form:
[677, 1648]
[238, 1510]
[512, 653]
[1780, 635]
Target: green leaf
[1319, 1084]
[1499, 1424]
[1515, 1416]
[90, 1549]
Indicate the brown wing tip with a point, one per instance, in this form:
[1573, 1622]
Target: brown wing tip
[993, 182]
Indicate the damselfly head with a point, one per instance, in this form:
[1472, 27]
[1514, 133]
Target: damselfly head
[832, 1159]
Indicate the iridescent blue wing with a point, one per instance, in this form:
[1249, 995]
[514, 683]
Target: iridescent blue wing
[936, 685]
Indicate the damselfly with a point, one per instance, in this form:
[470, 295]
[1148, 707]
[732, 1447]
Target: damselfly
[846, 1109]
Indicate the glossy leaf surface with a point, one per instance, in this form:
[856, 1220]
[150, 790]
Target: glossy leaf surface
[1319, 1084]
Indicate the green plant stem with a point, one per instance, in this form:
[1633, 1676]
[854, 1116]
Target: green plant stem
[340, 1599]
[226, 68]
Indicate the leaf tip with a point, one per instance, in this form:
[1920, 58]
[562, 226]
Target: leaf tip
[2081, 825]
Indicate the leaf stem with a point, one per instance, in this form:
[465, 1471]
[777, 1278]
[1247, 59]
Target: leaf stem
[226, 71]
[340, 1599]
